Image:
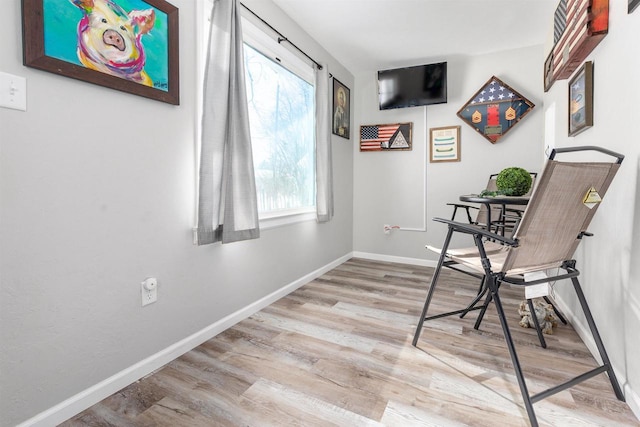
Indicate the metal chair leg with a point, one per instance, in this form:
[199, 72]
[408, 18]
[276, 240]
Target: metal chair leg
[432, 288]
[534, 316]
[528, 404]
[555, 310]
[476, 326]
[481, 292]
[596, 336]
[481, 287]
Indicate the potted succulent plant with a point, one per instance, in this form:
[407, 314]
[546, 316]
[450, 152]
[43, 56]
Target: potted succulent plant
[512, 181]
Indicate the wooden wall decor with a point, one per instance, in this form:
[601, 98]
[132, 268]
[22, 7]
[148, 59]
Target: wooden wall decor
[579, 25]
[391, 137]
[495, 109]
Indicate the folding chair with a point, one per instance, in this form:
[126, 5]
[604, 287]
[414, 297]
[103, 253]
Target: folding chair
[514, 212]
[553, 224]
[509, 217]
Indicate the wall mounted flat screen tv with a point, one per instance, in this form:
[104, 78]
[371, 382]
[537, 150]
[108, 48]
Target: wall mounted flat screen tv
[412, 86]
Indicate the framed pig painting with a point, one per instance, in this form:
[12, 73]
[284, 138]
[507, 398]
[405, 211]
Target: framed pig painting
[127, 45]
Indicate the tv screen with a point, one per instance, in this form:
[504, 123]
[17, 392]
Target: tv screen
[412, 86]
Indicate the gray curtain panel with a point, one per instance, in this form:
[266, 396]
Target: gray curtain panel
[227, 204]
[324, 164]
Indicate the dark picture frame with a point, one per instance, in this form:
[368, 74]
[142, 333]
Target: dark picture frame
[50, 43]
[580, 106]
[495, 109]
[632, 5]
[341, 121]
[386, 137]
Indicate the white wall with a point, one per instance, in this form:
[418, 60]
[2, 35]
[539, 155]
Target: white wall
[609, 260]
[389, 187]
[97, 193]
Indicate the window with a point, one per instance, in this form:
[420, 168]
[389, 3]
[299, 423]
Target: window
[281, 116]
[281, 101]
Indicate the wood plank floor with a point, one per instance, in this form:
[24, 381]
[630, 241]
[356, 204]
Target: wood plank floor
[337, 352]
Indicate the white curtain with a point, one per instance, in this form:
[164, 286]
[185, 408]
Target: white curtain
[227, 204]
[324, 165]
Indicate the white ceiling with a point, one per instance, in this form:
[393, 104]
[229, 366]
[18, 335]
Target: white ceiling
[378, 34]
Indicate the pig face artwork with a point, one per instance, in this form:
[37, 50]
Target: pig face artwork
[109, 39]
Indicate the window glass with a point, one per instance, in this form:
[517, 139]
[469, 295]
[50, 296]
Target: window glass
[281, 115]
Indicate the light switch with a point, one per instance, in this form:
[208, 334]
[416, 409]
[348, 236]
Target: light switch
[13, 91]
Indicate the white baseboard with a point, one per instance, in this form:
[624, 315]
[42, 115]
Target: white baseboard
[633, 400]
[391, 258]
[94, 394]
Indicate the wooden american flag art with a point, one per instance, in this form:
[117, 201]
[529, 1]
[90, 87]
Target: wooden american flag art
[385, 137]
[579, 25]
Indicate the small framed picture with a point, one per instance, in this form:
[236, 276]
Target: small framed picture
[341, 110]
[444, 144]
[581, 99]
[388, 137]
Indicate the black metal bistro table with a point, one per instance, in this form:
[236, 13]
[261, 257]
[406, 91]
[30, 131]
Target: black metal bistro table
[502, 201]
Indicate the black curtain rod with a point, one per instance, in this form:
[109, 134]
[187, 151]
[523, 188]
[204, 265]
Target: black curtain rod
[282, 38]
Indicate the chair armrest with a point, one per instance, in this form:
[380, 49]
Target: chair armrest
[476, 230]
[518, 212]
[460, 205]
[465, 207]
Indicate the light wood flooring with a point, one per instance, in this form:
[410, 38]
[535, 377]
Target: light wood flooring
[337, 352]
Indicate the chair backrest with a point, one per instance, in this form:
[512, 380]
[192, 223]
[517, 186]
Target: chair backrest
[482, 217]
[557, 213]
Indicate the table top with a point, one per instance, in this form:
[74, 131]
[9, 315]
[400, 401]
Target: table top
[500, 200]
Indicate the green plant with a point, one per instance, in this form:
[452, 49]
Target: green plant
[513, 181]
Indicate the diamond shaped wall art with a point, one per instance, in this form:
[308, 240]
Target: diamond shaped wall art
[495, 109]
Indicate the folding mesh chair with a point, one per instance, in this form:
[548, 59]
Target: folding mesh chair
[504, 220]
[553, 224]
[513, 212]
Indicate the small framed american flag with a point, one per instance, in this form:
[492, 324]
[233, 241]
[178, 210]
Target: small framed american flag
[385, 137]
[495, 109]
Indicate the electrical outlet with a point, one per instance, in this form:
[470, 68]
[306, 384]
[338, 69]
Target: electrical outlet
[149, 290]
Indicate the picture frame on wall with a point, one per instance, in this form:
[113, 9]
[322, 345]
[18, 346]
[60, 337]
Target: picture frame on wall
[135, 51]
[581, 99]
[578, 27]
[386, 137]
[444, 144]
[633, 4]
[495, 109]
[341, 123]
